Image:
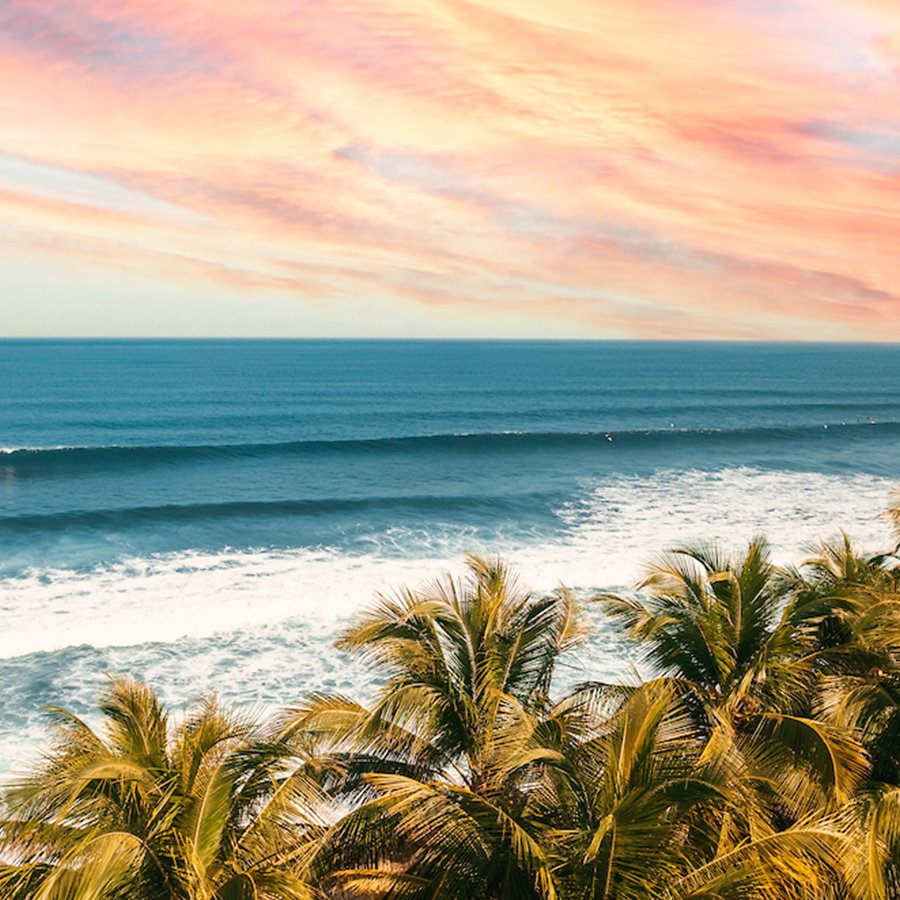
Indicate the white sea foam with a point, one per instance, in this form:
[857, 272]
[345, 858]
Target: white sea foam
[189, 594]
[7, 451]
[259, 625]
[609, 531]
[622, 522]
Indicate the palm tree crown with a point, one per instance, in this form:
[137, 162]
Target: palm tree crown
[207, 809]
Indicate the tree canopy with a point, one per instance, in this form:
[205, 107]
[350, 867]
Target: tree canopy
[758, 758]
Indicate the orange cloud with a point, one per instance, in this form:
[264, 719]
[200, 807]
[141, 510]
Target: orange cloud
[651, 168]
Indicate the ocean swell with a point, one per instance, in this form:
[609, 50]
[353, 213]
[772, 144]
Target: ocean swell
[70, 460]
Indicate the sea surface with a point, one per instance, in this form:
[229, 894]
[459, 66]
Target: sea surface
[209, 514]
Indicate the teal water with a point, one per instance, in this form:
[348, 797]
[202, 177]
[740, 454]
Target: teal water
[204, 513]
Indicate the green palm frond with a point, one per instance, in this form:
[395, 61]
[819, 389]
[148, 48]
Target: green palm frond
[871, 861]
[829, 754]
[96, 868]
[837, 563]
[204, 804]
[703, 623]
[136, 722]
[459, 655]
[801, 862]
[467, 842]
[635, 778]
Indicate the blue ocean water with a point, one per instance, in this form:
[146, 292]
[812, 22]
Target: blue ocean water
[204, 513]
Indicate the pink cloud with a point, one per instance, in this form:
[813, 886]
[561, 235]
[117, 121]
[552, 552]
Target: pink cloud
[651, 168]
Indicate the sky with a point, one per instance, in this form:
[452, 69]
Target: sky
[656, 169]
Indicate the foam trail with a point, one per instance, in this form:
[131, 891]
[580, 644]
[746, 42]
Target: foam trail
[622, 522]
[259, 626]
[190, 594]
[615, 525]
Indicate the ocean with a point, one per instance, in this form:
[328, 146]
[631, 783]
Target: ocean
[208, 515]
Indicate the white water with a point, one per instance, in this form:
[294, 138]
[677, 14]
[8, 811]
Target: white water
[258, 626]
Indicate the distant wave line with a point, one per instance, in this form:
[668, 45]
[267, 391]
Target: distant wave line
[25, 458]
[126, 517]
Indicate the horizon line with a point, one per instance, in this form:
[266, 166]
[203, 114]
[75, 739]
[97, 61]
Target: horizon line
[434, 339]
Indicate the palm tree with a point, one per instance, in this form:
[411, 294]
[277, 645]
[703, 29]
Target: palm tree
[474, 783]
[724, 627]
[643, 809]
[865, 697]
[837, 564]
[446, 753]
[616, 811]
[871, 859]
[210, 809]
[858, 645]
[739, 641]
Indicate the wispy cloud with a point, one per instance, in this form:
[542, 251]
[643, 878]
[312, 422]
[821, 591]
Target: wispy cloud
[651, 168]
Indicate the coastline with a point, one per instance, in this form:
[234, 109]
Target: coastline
[238, 622]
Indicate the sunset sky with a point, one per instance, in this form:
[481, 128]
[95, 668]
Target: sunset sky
[506, 168]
